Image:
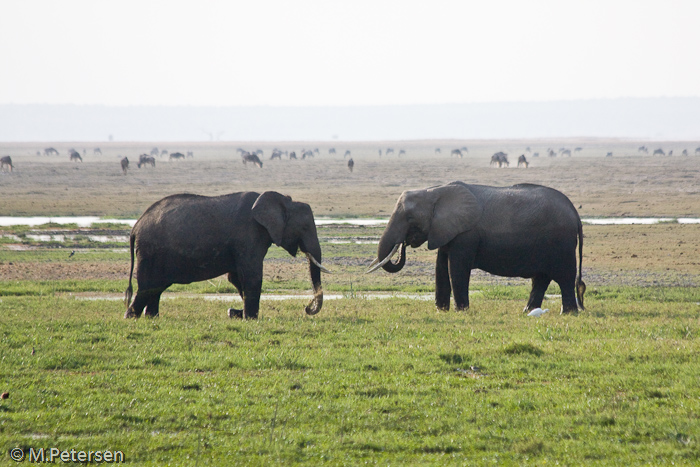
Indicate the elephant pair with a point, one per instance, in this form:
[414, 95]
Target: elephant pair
[520, 231]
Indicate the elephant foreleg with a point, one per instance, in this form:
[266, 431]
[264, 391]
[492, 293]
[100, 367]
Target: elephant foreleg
[443, 290]
[460, 271]
[539, 287]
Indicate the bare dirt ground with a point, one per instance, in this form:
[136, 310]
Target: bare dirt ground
[627, 184]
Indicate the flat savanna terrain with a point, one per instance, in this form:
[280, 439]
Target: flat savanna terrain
[629, 184]
[379, 381]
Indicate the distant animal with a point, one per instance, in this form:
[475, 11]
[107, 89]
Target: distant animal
[292, 155]
[523, 161]
[97, 151]
[307, 153]
[684, 153]
[331, 151]
[527, 149]
[402, 152]
[697, 151]
[659, 152]
[6, 161]
[566, 152]
[125, 164]
[457, 152]
[251, 157]
[276, 155]
[187, 238]
[535, 154]
[500, 159]
[551, 153]
[525, 230]
[578, 149]
[670, 153]
[380, 153]
[351, 164]
[49, 151]
[190, 154]
[146, 159]
[643, 149]
[164, 152]
[609, 154]
[176, 156]
[438, 151]
[75, 156]
[389, 151]
[347, 153]
[155, 152]
[465, 149]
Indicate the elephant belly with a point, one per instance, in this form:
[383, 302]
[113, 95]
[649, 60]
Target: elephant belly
[520, 260]
[170, 266]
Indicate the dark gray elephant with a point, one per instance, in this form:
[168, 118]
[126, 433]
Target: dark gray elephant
[524, 230]
[187, 238]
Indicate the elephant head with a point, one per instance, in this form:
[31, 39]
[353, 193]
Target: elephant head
[436, 215]
[291, 226]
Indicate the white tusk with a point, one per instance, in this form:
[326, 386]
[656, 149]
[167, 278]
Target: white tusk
[384, 261]
[320, 266]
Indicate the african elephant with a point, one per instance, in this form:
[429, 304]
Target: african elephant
[524, 230]
[186, 238]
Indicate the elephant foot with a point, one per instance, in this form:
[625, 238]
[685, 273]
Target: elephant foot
[233, 313]
[569, 311]
[130, 314]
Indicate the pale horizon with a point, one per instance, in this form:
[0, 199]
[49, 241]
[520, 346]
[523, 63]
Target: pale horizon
[313, 53]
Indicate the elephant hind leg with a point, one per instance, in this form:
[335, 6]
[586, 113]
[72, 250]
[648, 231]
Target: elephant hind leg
[539, 287]
[443, 289]
[152, 307]
[144, 299]
[233, 279]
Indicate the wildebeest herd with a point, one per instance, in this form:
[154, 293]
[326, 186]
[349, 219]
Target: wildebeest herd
[255, 157]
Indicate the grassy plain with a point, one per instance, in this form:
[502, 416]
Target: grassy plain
[388, 381]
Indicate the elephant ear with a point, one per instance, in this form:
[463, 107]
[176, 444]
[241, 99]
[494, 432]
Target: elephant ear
[456, 210]
[270, 211]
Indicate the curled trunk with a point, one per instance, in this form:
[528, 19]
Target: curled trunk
[386, 246]
[314, 256]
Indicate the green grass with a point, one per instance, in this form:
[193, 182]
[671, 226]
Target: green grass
[385, 381]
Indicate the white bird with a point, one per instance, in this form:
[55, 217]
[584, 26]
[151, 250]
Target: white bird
[538, 312]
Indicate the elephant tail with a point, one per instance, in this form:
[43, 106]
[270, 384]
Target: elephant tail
[130, 290]
[580, 285]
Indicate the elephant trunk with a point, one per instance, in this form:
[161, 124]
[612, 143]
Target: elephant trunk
[388, 245]
[315, 267]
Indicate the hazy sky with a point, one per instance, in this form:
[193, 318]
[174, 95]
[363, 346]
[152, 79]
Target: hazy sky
[324, 52]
